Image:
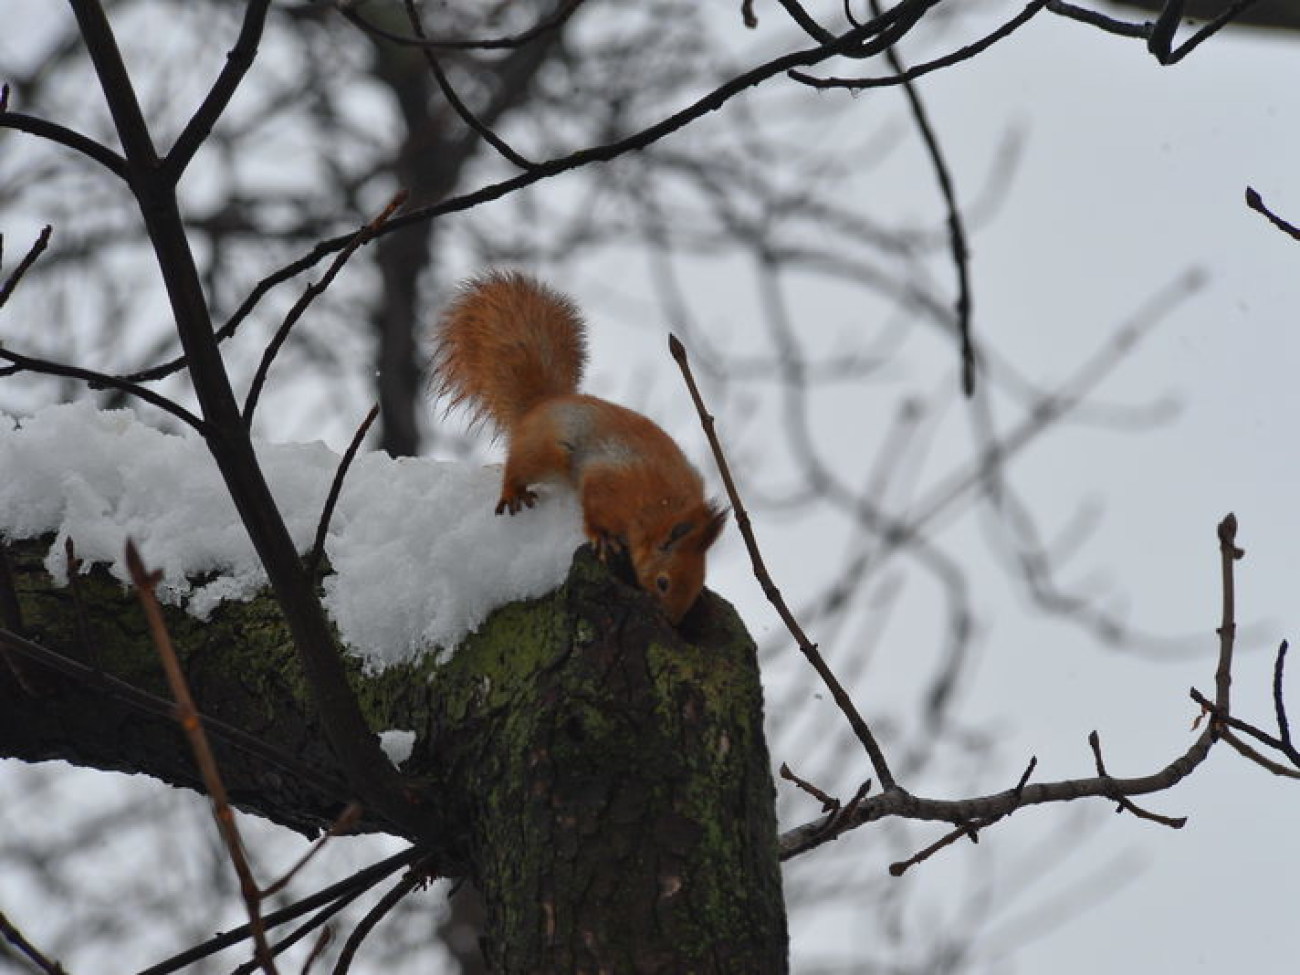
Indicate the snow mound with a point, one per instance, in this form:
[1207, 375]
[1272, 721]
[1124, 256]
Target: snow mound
[419, 557]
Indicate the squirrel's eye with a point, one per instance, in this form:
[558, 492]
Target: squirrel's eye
[663, 583]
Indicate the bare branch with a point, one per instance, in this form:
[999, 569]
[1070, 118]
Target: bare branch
[454, 99]
[315, 289]
[238, 61]
[27, 949]
[38, 247]
[68, 138]
[990, 808]
[866, 39]
[100, 380]
[770, 590]
[413, 879]
[333, 899]
[336, 487]
[1124, 803]
[911, 74]
[187, 715]
[1281, 743]
[347, 820]
[1256, 203]
[1159, 34]
[956, 227]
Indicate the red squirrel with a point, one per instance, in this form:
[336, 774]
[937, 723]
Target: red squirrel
[513, 350]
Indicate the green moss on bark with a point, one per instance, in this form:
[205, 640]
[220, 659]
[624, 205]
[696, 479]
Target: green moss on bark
[601, 777]
[617, 789]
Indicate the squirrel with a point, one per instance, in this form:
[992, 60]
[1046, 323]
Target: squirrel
[513, 350]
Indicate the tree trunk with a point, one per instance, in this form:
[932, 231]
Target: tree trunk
[602, 778]
[618, 790]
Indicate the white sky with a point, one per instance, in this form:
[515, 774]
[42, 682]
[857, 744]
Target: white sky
[1132, 174]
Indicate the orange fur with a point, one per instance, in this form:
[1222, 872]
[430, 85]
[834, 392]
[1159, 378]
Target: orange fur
[514, 350]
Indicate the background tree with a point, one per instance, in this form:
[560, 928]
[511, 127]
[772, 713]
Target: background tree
[741, 189]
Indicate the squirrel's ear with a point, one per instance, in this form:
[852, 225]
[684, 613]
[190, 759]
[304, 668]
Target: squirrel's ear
[713, 527]
[701, 536]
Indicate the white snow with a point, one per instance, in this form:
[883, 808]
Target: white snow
[397, 744]
[419, 556]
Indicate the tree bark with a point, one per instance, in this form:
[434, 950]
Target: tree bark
[601, 777]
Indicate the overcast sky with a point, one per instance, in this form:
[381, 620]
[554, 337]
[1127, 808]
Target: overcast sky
[1131, 175]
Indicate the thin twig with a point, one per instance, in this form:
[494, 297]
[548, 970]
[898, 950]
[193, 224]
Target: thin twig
[900, 867]
[25, 947]
[336, 488]
[1024, 776]
[1160, 45]
[313, 290]
[829, 803]
[33, 252]
[971, 829]
[1230, 738]
[1159, 34]
[1229, 554]
[963, 812]
[68, 138]
[238, 60]
[1256, 203]
[413, 878]
[956, 225]
[1110, 25]
[348, 818]
[100, 380]
[318, 919]
[1124, 803]
[770, 590]
[1279, 700]
[454, 100]
[1224, 722]
[344, 891]
[916, 71]
[323, 941]
[187, 716]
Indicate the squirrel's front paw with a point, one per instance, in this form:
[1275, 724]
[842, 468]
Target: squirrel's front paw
[512, 501]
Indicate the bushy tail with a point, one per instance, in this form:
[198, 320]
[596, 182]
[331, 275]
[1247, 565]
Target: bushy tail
[507, 343]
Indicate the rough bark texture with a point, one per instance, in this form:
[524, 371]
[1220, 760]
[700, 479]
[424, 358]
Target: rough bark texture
[240, 667]
[617, 787]
[601, 777]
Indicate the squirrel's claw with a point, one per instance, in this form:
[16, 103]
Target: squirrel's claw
[512, 502]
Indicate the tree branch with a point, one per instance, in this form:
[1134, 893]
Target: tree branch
[770, 590]
[357, 748]
[68, 138]
[238, 61]
[984, 809]
[1256, 203]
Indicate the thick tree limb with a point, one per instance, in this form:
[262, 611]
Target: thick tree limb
[580, 720]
